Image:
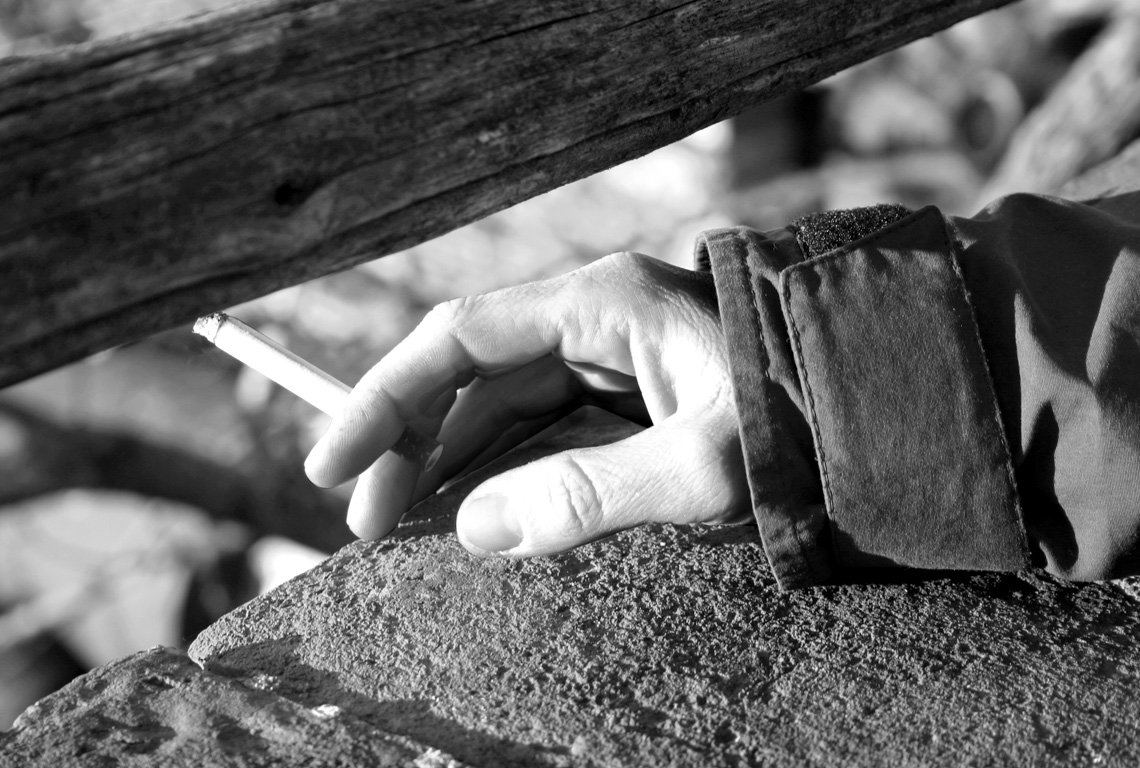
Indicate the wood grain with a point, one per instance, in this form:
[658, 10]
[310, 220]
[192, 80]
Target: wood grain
[150, 179]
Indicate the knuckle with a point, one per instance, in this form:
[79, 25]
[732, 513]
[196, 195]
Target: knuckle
[629, 262]
[456, 318]
[575, 492]
[451, 313]
[621, 276]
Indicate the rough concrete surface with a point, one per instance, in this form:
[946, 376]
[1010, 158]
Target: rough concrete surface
[660, 646]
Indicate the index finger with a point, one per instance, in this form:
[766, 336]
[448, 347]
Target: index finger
[455, 342]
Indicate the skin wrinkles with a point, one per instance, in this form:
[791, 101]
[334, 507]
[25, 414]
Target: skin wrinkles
[482, 374]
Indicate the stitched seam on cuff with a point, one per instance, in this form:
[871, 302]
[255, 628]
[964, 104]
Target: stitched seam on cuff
[766, 361]
[999, 427]
[817, 438]
[795, 271]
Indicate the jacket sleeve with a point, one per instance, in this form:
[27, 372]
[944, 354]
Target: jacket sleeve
[924, 392]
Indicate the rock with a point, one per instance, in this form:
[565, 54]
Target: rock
[659, 646]
[157, 707]
[671, 646]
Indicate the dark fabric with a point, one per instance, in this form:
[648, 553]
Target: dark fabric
[786, 495]
[911, 452]
[867, 376]
[1056, 287]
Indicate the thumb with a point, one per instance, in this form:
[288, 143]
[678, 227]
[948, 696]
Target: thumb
[676, 472]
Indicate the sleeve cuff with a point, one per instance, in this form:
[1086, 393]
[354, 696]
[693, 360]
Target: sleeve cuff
[868, 419]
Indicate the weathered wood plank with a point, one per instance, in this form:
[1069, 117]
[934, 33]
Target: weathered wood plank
[150, 179]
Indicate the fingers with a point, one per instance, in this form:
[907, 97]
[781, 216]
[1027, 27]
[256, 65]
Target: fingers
[454, 342]
[490, 418]
[487, 419]
[684, 470]
[584, 316]
[382, 496]
[385, 489]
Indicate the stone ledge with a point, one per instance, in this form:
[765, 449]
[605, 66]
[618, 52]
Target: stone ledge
[157, 707]
[662, 645]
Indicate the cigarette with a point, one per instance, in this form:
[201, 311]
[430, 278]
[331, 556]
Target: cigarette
[302, 378]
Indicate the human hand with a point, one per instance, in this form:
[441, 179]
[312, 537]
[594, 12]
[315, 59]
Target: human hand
[627, 333]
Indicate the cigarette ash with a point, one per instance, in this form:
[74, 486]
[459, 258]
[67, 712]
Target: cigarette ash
[209, 325]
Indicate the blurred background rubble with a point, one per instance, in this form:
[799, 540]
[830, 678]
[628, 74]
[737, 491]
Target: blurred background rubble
[152, 488]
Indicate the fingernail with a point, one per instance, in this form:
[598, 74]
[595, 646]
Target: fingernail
[317, 462]
[366, 523]
[488, 525]
[314, 462]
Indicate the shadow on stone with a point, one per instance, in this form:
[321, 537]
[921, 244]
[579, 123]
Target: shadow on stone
[672, 645]
[663, 645]
[319, 689]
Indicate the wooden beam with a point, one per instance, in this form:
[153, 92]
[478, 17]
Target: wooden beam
[150, 179]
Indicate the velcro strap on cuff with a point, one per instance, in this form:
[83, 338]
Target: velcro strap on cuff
[915, 467]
